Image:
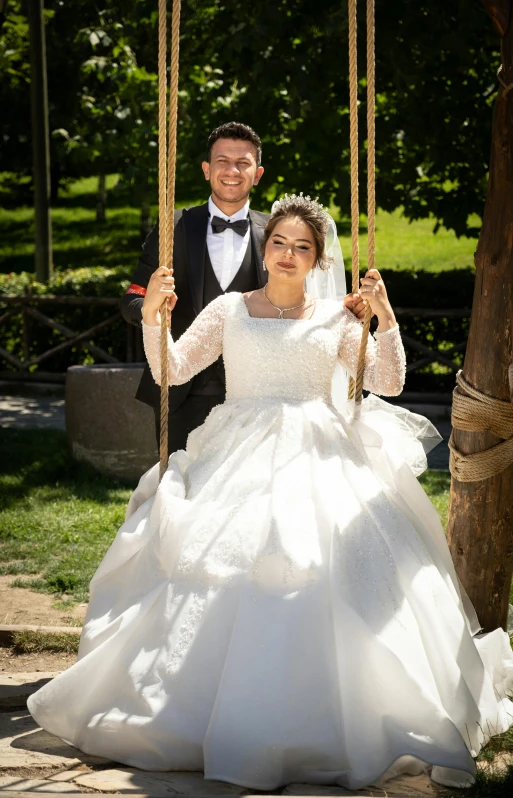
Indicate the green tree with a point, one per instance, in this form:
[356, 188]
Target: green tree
[281, 67]
[116, 128]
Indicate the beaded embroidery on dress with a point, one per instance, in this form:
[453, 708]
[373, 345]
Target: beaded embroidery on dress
[283, 607]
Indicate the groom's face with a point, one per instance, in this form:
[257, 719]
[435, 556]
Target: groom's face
[232, 170]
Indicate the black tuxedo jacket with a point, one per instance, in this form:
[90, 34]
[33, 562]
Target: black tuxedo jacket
[189, 272]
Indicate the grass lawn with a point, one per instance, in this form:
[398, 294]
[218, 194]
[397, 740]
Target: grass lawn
[58, 517]
[79, 241]
[401, 244]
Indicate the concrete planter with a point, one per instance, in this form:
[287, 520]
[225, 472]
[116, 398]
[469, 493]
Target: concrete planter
[106, 426]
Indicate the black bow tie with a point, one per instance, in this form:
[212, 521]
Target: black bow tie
[240, 227]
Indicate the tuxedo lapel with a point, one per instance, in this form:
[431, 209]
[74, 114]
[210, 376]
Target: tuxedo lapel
[257, 237]
[195, 228]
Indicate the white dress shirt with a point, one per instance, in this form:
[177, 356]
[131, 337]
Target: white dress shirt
[226, 249]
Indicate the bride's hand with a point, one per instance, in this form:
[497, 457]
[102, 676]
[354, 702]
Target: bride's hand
[355, 304]
[160, 288]
[374, 293]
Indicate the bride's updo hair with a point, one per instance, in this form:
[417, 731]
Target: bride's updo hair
[311, 213]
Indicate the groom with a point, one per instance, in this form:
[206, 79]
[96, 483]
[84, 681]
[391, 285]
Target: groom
[217, 249]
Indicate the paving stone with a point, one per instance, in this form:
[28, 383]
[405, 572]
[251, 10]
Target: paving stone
[156, 784]
[15, 688]
[414, 786]
[401, 787]
[24, 744]
[26, 412]
[317, 789]
[66, 775]
[17, 784]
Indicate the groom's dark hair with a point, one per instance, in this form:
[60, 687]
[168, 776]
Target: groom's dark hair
[235, 130]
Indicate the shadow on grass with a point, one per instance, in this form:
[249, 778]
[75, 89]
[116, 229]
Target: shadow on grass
[41, 458]
[344, 227]
[112, 246]
[435, 482]
[78, 240]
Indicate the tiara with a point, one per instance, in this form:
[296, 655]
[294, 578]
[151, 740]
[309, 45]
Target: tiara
[297, 199]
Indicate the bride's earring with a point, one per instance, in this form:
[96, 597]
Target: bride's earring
[264, 266]
[312, 273]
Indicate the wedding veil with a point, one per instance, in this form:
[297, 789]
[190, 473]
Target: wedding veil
[330, 283]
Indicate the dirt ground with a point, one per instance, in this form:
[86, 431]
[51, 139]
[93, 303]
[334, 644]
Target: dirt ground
[18, 605]
[46, 661]
[21, 606]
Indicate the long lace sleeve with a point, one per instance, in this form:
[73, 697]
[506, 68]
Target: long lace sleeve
[385, 361]
[197, 348]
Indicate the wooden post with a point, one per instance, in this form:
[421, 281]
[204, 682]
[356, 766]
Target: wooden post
[40, 140]
[480, 529]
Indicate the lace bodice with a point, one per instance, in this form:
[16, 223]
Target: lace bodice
[279, 358]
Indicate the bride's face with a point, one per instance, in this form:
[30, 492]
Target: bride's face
[290, 251]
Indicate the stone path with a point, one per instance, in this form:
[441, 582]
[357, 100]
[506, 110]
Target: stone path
[31, 760]
[30, 412]
[47, 412]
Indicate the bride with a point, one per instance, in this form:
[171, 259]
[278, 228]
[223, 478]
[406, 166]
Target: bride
[283, 606]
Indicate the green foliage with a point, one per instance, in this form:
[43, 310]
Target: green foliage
[14, 60]
[281, 67]
[94, 281]
[117, 125]
[85, 281]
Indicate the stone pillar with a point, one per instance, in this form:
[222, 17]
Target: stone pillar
[107, 427]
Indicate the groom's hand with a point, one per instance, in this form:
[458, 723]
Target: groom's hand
[355, 304]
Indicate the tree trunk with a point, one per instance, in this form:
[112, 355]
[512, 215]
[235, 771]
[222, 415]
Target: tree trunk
[101, 199]
[40, 140]
[480, 529]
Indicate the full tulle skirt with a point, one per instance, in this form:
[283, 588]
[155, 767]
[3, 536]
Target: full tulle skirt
[284, 608]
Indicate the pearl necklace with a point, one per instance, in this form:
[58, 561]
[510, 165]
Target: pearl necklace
[281, 311]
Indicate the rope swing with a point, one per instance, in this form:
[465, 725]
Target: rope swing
[167, 116]
[356, 385]
[167, 179]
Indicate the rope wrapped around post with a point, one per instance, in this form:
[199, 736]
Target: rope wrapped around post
[167, 178]
[474, 411]
[356, 385]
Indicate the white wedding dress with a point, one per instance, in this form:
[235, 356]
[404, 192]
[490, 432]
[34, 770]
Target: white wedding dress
[283, 607]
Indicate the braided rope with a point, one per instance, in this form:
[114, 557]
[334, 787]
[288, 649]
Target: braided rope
[173, 119]
[371, 135]
[167, 178]
[163, 227]
[353, 140]
[356, 386]
[474, 411]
